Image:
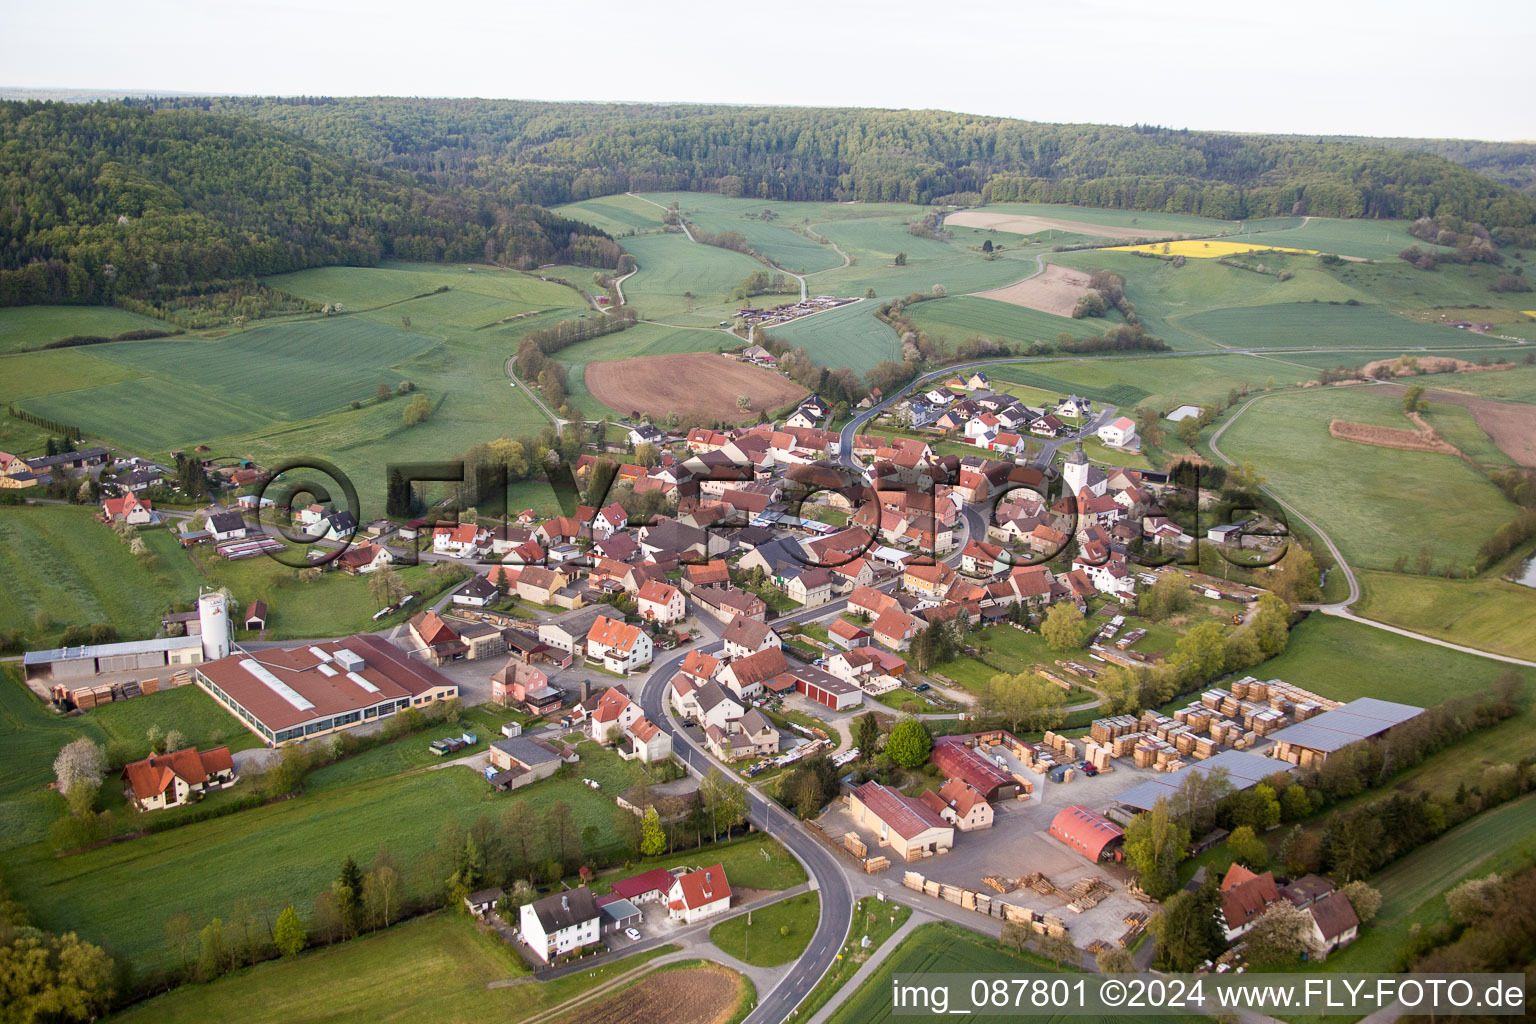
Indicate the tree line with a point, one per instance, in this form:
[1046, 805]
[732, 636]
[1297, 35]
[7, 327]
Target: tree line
[110, 201]
[797, 153]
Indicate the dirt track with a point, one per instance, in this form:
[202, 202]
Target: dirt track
[695, 995]
[1511, 425]
[1026, 224]
[1055, 291]
[691, 384]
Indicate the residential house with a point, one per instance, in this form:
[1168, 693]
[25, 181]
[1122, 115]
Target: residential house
[724, 603]
[847, 635]
[699, 895]
[520, 684]
[619, 646]
[644, 741]
[560, 923]
[1118, 433]
[520, 760]
[568, 631]
[745, 676]
[477, 593]
[709, 574]
[463, 540]
[539, 585]
[810, 588]
[130, 508]
[1244, 898]
[911, 828]
[226, 526]
[613, 713]
[178, 777]
[759, 732]
[707, 703]
[645, 433]
[660, 602]
[960, 804]
[361, 559]
[610, 519]
[744, 636]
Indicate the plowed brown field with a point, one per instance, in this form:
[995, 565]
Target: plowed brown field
[692, 384]
[692, 995]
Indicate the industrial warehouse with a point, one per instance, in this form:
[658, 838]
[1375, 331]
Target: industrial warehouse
[301, 692]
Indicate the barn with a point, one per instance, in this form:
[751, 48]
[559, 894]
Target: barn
[1090, 834]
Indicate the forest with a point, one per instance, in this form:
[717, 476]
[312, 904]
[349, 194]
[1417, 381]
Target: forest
[552, 153]
[103, 202]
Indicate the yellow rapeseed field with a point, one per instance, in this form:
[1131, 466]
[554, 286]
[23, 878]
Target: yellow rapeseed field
[1205, 250]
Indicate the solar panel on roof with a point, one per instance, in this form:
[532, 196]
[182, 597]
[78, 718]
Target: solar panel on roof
[276, 685]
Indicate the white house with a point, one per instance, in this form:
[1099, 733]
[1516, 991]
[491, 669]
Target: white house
[226, 526]
[699, 894]
[560, 922]
[1118, 433]
[619, 646]
[660, 602]
[463, 540]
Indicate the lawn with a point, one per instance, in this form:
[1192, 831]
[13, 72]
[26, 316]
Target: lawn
[757, 862]
[778, 933]
[1378, 504]
[62, 566]
[1491, 614]
[1008, 649]
[1344, 660]
[451, 967]
[846, 336]
[336, 604]
[31, 735]
[27, 327]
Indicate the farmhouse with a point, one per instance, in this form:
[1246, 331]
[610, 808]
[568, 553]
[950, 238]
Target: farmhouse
[288, 694]
[179, 777]
[699, 894]
[436, 641]
[130, 508]
[560, 923]
[1090, 834]
[1244, 898]
[745, 677]
[724, 604]
[911, 828]
[568, 631]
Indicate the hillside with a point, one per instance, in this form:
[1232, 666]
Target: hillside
[553, 153]
[105, 201]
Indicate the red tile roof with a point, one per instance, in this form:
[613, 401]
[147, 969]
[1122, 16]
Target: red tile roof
[614, 633]
[905, 816]
[704, 886]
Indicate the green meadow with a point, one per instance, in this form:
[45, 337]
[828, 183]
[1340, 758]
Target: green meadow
[30, 327]
[846, 336]
[1378, 504]
[960, 317]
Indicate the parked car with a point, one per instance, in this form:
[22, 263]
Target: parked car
[921, 687]
[1089, 769]
[633, 933]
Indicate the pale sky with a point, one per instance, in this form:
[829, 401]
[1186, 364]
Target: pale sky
[1358, 67]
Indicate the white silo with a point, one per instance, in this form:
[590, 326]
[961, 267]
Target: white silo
[213, 616]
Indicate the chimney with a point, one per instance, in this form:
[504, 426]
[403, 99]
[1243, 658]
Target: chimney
[565, 902]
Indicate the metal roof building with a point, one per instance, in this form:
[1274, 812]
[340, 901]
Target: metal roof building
[1244, 769]
[1089, 833]
[1357, 720]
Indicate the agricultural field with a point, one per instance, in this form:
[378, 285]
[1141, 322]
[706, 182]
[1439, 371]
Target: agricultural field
[756, 862]
[644, 339]
[452, 966]
[64, 567]
[846, 336]
[873, 244]
[1457, 427]
[959, 317]
[414, 290]
[693, 384]
[619, 215]
[27, 376]
[32, 327]
[773, 239]
[1305, 323]
[688, 992]
[1513, 385]
[1162, 382]
[1491, 614]
[1368, 239]
[778, 933]
[683, 282]
[1083, 220]
[279, 853]
[1378, 504]
[1211, 249]
[1344, 660]
[943, 948]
